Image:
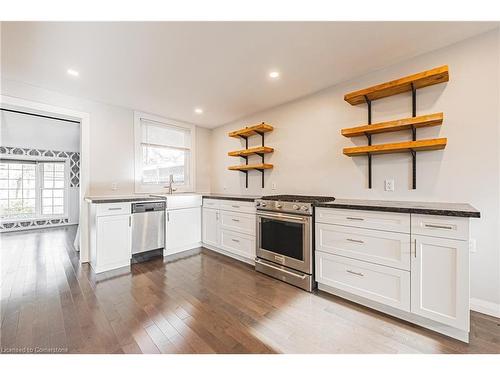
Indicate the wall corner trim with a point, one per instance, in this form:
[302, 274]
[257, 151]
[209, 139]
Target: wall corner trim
[485, 307]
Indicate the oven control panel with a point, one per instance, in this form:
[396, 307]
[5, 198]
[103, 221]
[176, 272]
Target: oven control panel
[283, 206]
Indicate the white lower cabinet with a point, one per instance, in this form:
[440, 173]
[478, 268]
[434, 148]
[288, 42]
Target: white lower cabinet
[237, 243]
[113, 242]
[418, 275]
[182, 230]
[229, 227]
[386, 285]
[440, 280]
[210, 227]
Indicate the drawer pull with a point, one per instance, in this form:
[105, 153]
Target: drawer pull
[354, 218]
[355, 273]
[235, 220]
[235, 206]
[114, 208]
[235, 240]
[438, 226]
[352, 240]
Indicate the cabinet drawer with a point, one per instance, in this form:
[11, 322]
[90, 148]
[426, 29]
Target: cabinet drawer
[440, 226]
[211, 203]
[238, 206]
[385, 248]
[378, 283]
[106, 209]
[240, 244]
[388, 221]
[238, 222]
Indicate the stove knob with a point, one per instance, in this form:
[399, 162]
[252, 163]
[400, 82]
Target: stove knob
[304, 208]
[257, 204]
[296, 207]
[278, 205]
[263, 204]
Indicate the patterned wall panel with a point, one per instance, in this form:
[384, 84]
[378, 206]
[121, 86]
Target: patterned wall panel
[74, 181]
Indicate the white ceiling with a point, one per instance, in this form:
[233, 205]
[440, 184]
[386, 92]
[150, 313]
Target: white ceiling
[169, 68]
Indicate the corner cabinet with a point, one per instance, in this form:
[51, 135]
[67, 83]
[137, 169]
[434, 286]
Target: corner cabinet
[210, 227]
[417, 270]
[228, 227]
[183, 230]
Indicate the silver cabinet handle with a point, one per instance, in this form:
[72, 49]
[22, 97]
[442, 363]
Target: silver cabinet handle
[235, 240]
[352, 240]
[438, 226]
[217, 216]
[354, 218]
[114, 208]
[130, 221]
[235, 206]
[355, 273]
[168, 216]
[235, 220]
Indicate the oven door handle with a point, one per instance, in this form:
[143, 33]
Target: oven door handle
[281, 216]
[280, 269]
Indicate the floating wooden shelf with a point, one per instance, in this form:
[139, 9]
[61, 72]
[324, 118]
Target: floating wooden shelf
[389, 148]
[395, 125]
[252, 151]
[398, 86]
[251, 130]
[248, 167]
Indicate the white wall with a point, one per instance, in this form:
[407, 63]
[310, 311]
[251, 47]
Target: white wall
[48, 134]
[309, 160]
[111, 136]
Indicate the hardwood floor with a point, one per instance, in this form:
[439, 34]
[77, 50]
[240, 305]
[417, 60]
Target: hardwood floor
[201, 303]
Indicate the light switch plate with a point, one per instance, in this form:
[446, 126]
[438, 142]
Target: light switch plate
[114, 186]
[389, 185]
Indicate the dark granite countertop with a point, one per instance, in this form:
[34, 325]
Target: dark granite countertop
[424, 208]
[121, 198]
[230, 197]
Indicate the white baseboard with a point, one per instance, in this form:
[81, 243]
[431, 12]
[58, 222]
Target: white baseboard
[485, 307]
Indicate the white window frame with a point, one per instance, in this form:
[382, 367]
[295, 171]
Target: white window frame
[38, 188]
[160, 188]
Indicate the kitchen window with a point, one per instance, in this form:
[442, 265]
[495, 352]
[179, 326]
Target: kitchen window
[163, 148]
[32, 189]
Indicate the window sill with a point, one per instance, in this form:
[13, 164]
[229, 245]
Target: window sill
[18, 220]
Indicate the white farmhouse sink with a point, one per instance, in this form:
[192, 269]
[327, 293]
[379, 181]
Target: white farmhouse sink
[181, 200]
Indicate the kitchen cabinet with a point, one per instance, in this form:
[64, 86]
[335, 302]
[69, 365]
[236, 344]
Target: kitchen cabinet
[183, 230]
[440, 280]
[229, 228]
[111, 242]
[413, 266]
[210, 227]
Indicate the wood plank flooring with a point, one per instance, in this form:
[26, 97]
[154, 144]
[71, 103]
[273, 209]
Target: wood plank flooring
[200, 303]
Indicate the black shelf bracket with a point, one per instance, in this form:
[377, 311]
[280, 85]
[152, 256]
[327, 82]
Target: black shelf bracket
[414, 136]
[369, 137]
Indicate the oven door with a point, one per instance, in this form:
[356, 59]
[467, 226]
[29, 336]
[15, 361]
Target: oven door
[285, 239]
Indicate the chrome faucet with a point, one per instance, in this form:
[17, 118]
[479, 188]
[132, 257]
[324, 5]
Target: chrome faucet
[170, 186]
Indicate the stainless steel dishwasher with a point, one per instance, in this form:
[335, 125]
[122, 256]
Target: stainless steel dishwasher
[148, 226]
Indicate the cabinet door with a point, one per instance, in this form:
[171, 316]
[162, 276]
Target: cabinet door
[440, 280]
[183, 229]
[114, 241]
[210, 227]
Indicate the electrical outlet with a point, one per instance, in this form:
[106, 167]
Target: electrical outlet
[224, 187]
[114, 186]
[472, 245]
[389, 185]
[273, 186]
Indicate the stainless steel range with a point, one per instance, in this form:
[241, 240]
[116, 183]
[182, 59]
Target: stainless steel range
[285, 238]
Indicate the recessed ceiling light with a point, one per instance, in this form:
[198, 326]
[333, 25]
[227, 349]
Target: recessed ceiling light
[274, 74]
[198, 111]
[73, 72]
